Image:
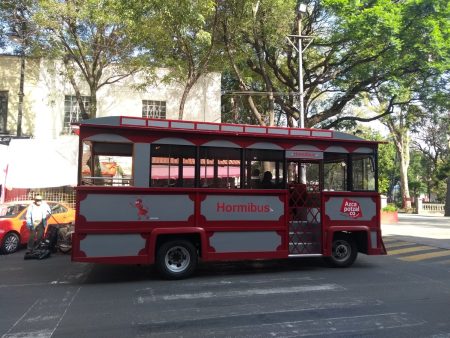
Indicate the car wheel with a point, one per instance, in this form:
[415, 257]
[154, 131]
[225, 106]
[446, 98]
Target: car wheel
[176, 259]
[343, 252]
[11, 243]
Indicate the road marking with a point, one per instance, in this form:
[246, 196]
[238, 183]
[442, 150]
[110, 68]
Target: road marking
[20, 319]
[65, 310]
[254, 292]
[239, 293]
[390, 239]
[408, 250]
[342, 326]
[426, 256]
[398, 244]
[45, 315]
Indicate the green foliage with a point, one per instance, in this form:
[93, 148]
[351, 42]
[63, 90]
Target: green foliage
[180, 36]
[381, 49]
[387, 164]
[431, 142]
[390, 208]
[93, 39]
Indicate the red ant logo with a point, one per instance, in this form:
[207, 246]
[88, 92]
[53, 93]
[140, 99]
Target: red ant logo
[142, 211]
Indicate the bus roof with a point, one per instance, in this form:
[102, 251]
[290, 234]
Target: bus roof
[220, 128]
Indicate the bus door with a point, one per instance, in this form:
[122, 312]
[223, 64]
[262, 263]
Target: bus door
[305, 227]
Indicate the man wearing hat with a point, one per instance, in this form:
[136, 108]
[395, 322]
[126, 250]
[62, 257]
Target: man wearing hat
[37, 214]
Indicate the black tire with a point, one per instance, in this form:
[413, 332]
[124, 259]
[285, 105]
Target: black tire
[11, 243]
[343, 251]
[176, 259]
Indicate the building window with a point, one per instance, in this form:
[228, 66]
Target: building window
[3, 110]
[72, 112]
[154, 109]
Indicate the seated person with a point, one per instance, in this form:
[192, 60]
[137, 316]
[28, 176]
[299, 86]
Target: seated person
[266, 182]
[255, 181]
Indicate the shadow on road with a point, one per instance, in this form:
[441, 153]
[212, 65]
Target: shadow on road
[135, 273]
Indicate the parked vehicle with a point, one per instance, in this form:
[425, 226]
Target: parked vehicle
[189, 191]
[13, 229]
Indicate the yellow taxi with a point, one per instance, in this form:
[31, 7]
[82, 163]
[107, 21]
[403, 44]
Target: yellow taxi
[13, 229]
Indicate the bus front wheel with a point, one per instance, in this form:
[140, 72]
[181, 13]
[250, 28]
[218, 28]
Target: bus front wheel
[343, 251]
[176, 259]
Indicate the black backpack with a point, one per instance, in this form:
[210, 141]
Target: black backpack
[38, 253]
[51, 238]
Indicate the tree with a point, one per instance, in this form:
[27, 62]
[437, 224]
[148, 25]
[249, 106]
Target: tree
[444, 174]
[181, 36]
[246, 26]
[358, 48]
[17, 31]
[431, 140]
[93, 40]
[400, 122]
[387, 165]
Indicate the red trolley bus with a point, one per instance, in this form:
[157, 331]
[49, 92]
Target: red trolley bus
[173, 192]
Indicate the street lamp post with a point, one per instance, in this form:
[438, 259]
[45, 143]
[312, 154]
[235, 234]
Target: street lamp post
[301, 10]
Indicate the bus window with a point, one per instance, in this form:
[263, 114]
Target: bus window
[172, 166]
[311, 177]
[363, 176]
[335, 172]
[220, 167]
[107, 164]
[264, 169]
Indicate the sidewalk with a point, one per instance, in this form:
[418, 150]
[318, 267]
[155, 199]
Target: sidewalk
[421, 229]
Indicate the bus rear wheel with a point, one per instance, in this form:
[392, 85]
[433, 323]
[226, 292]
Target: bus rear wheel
[176, 259]
[343, 251]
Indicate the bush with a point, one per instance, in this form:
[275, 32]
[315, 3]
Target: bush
[390, 208]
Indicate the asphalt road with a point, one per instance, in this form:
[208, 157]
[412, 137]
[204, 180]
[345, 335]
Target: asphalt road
[379, 296]
[433, 230]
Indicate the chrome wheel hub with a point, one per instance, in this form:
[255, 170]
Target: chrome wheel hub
[177, 259]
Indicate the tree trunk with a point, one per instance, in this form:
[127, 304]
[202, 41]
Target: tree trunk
[242, 85]
[70, 75]
[93, 103]
[406, 198]
[401, 142]
[447, 199]
[186, 91]
[403, 152]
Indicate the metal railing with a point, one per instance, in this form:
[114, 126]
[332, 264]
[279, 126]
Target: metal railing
[107, 181]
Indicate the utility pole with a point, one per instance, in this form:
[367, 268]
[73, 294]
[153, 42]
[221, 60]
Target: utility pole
[302, 9]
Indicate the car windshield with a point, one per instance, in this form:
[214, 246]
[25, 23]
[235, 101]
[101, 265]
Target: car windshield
[9, 211]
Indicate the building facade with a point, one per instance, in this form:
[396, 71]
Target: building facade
[49, 103]
[50, 106]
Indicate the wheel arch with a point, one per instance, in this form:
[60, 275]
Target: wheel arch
[359, 234]
[197, 236]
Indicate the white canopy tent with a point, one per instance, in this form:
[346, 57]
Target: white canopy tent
[42, 163]
[3, 163]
